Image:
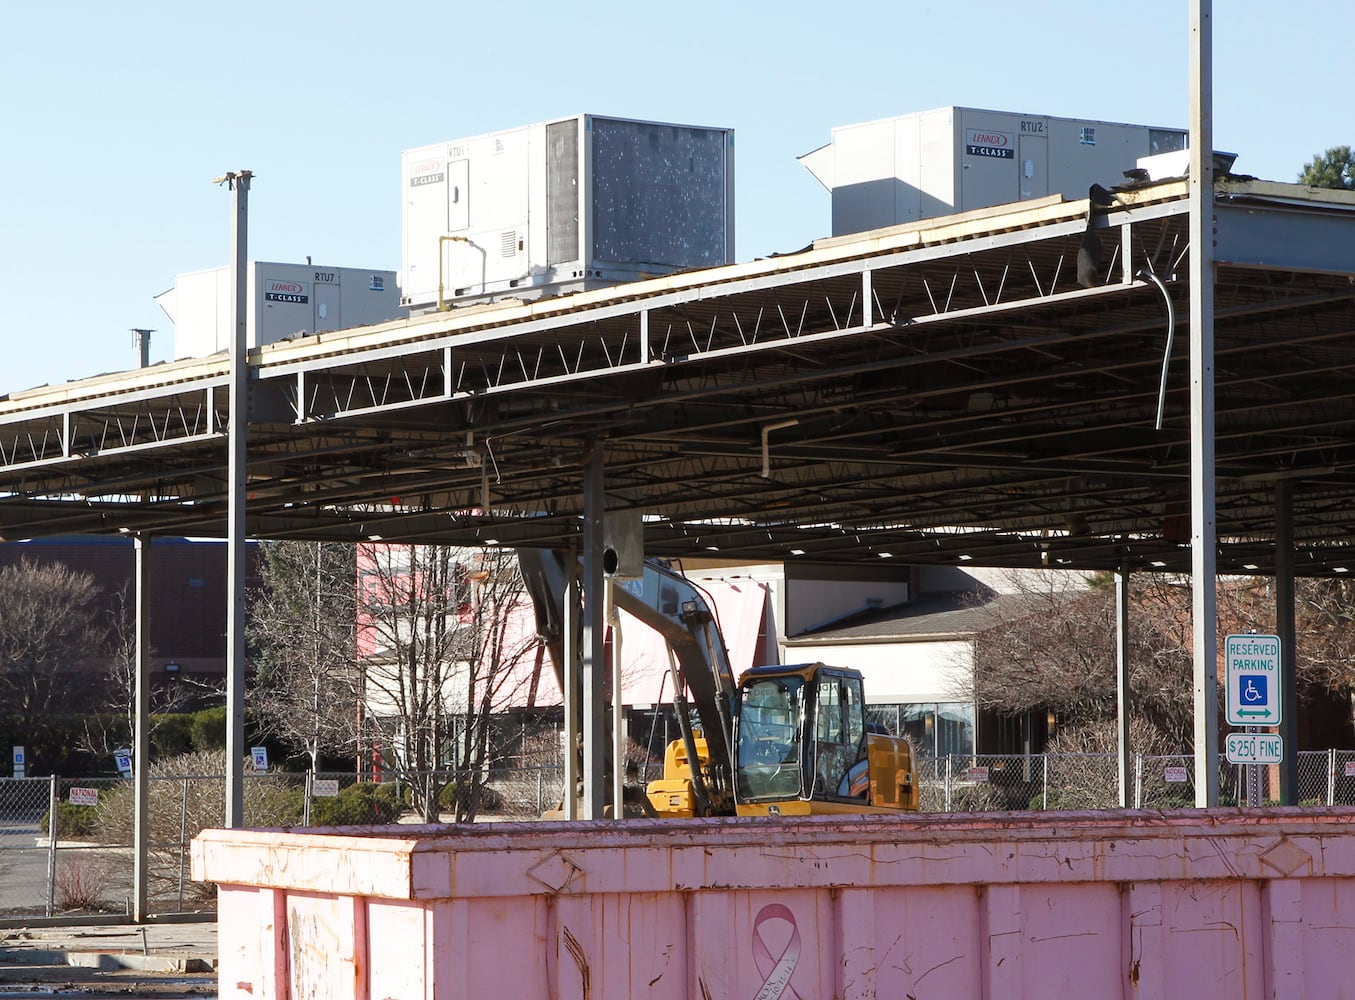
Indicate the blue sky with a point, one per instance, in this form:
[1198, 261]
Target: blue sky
[119, 116]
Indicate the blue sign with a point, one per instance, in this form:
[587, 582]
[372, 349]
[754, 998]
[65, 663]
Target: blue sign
[1251, 689]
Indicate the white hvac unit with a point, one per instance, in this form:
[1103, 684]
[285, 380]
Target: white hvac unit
[283, 301]
[563, 206]
[949, 160]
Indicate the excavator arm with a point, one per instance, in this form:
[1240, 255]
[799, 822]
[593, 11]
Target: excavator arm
[675, 608]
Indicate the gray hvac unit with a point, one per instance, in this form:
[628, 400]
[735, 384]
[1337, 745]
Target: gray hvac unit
[949, 160]
[282, 301]
[562, 206]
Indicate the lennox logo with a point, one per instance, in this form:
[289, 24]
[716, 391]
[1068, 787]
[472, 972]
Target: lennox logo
[993, 145]
[285, 291]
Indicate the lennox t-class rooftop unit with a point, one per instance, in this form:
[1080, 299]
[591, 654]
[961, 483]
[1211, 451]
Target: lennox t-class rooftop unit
[284, 301]
[931, 163]
[562, 206]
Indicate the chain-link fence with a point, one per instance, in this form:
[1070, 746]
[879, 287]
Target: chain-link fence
[88, 865]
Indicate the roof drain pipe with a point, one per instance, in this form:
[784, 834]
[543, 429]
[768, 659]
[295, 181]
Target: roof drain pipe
[767, 429]
[1147, 274]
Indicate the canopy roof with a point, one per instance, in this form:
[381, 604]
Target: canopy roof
[941, 392]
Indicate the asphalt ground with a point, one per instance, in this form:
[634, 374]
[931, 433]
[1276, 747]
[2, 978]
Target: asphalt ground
[159, 959]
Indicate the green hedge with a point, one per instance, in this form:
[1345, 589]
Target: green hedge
[72, 820]
[366, 803]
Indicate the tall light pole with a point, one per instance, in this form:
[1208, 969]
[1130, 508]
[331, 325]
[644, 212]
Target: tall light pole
[238, 181]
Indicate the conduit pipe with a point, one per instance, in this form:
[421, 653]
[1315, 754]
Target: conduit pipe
[766, 430]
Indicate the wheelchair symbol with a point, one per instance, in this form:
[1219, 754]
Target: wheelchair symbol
[1252, 689]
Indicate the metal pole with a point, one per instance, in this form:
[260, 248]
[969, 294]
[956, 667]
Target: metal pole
[53, 831]
[573, 731]
[1122, 678]
[1331, 776]
[141, 741]
[618, 712]
[183, 837]
[236, 473]
[1288, 633]
[1204, 558]
[594, 623]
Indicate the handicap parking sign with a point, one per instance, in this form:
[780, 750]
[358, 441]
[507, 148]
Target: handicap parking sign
[1253, 679]
[1252, 689]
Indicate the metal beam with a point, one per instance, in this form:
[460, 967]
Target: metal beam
[1123, 703]
[1203, 537]
[594, 625]
[141, 740]
[1285, 628]
[1294, 241]
[237, 448]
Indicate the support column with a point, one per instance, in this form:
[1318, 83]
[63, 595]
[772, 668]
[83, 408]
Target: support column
[618, 790]
[1203, 538]
[1122, 697]
[573, 731]
[1286, 630]
[235, 510]
[141, 740]
[594, 625]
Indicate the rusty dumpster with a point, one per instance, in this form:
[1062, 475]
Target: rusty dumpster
[1196, 903]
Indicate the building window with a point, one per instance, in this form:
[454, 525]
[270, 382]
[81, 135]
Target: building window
[935, 729]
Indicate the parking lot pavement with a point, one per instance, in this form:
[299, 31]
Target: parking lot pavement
[159, 959]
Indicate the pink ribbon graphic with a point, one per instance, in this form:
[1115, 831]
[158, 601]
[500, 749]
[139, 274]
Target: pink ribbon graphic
[776, 972]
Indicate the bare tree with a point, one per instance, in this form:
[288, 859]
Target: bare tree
[438, 640]
[48, 629]
[496, 643]
[105, 733]
[1053, 647]
[302, 629]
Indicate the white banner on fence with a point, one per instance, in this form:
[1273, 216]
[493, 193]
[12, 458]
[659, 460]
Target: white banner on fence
[325, 788]
[84, 796]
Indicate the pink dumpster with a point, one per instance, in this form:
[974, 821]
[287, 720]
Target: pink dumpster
[1198, 904]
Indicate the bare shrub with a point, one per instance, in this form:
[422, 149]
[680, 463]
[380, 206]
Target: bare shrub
[1083, 761]
[187, 794]
[83, 881]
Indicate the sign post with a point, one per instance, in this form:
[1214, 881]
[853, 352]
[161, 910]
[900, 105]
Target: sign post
[19, 765]
[1253, 687]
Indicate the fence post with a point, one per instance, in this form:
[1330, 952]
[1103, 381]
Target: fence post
[53, 827]
[1044, 782]
[306, 797]
[1138, 781]
[183, 836]
[948, 759]
[1331, 777]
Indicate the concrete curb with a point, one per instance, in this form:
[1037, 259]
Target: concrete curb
[102, 961]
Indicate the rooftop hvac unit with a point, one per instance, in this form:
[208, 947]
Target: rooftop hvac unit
[949, 160]
[562, 206]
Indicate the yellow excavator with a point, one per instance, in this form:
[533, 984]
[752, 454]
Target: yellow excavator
[783, 740]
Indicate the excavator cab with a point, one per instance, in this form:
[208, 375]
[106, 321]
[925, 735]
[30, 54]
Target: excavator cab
[802, 746]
